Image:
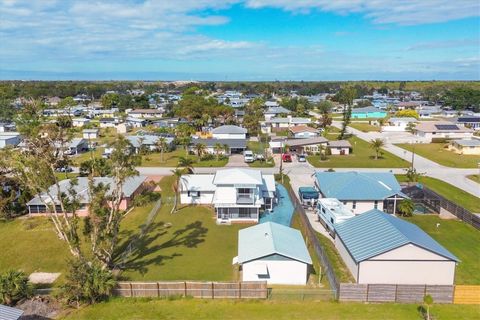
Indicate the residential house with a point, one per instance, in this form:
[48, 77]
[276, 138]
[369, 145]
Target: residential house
[274, 253]
[379, 248]
[146, 113]
[238, 195]
[230, 145]
[361, 191]
[9, 139]
[311, 145]
[229, 132]
[149, 142]
[442, 129]
[123, 128]
[90, 134]
[136, 122]
[283, 124]
[77, 145]
[53, 101]
[168, 122]
[41, 204]
[108, 122]
[7, 127]
[470, 122]
[303, 132]
[368, 112]
[428, 111]
[398, 124]
[466, 147]
[80, 122]
[276, 146]
[274, 112]
[270, 104]
[339, 147]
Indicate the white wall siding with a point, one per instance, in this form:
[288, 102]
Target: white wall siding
[364, 206]
[289, 272]
[229, 135]
[204, 198]
[347, 259]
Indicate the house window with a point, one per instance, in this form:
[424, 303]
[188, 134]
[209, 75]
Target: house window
[194, 193]
[331, 220]
[375, 204]
[354, 205]
[323, 210]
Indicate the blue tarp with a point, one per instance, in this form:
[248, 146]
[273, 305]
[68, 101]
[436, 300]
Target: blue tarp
[282, 213]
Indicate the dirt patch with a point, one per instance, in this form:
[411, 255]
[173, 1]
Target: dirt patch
[43, 277]
[40, 308]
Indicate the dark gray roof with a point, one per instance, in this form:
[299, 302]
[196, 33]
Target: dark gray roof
[339, 144]
[9, 313]
[375, 232]
[305, 142]
[233, 143]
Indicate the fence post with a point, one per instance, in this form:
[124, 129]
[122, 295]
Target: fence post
[239, 290]
[185, 286]
[213, 291]
[158, 290]
[131, 289]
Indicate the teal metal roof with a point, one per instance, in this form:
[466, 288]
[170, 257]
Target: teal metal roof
[375, 232]
[269, 238]
[308, 192]
[358, 185]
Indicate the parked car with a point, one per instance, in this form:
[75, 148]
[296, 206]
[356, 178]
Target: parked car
[260, 157]
[286, 157]
[248, 156]
[301, 158]
[64, 169]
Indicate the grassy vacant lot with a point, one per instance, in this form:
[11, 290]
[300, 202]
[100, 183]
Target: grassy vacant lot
[452, 193]
[186, 245]
[362, 157]
[364, 126]
[458, 237]
[227, 309]
[170, 159]
[475, 177]
[436, 152]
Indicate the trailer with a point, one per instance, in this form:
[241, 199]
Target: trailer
[308, 196]
[331, 211]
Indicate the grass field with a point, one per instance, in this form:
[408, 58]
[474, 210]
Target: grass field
[362, 157]
[340, 269]
[436, 152]
[146, 309]
[452, 193]
[186, 245]
[364, 126]
[474, 177]
[170, 159]
[458, 237]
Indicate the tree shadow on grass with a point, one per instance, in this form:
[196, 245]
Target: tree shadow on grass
[148, 252]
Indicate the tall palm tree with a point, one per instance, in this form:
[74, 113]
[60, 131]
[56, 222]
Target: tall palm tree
[377, 144]
[178, 174]
[226, 149]
[161, 145]
[218, 147]
[200, 148]
[185, 163]
[185, 141]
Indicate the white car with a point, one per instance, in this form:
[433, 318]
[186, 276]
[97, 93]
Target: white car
[248, 156]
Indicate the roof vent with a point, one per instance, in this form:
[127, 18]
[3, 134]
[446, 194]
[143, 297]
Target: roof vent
[266, 234]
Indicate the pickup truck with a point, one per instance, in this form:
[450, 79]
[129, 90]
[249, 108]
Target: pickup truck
[248, 156]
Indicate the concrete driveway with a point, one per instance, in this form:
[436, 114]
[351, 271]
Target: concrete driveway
[236, 160]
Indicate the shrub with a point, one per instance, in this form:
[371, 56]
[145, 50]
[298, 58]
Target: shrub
[207, 157]
[439, 140]
[145, 198]
[14, 287]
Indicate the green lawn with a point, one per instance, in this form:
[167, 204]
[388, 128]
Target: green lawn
[256, 146]
[283, 133]
[474, 177]
[362, 157]
[262, 164]
[78, 159]
[436, 152]
[341, 271]
[186, 245]
[170, 159]
[452, 193]
[364, 126]
[146, 309]
[458, 237]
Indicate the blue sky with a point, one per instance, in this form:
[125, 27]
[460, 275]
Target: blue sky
[240, 40]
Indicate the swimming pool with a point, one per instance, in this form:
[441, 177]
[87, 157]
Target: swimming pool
[282, 213]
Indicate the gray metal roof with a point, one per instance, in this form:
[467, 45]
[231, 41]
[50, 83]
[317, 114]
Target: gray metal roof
[277, 110]
[9, 313]
[375, 232]
[229, 129]
[367, 110]
[238, 176]
[129, 187]
[232, 143]
[271, 238]
[468, 143]
[339, 144]
[305, 142]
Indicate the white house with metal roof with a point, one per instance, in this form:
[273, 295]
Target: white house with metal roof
[361, 191]
[273, 112]
[90, 134]
[274, 253]
[379, 248]
[399, 124]
[9, 139]
[229, 132]
[280, 124]
[238, 195]
[465, 146]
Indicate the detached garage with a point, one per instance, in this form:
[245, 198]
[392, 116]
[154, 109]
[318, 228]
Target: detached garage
[274, 253]
[379, 248]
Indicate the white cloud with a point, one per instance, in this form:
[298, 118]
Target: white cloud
[403, 12]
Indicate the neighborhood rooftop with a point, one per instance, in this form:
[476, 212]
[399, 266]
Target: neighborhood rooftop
[375, 232]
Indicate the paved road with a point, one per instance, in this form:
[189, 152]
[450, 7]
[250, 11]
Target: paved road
[454, 176]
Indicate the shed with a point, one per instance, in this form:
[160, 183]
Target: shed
[274, 253]
[379, 248]
[9, 313]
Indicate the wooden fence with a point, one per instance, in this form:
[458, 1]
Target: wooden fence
[206, 290]
[437, 202]
[394, 293]
[466, 295]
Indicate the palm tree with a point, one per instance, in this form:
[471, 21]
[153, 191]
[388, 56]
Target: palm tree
[406, 207]
[185, 141]
[13, 287]
[411, 127]
[200, 148]
[226, 149]
[185, 163]
[178, 174]
[377, 144]
[161, 145]
[218, 147]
